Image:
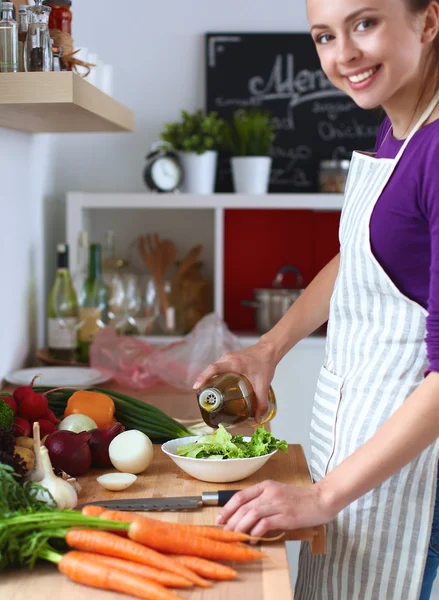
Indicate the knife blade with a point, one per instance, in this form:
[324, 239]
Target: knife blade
[218, 498]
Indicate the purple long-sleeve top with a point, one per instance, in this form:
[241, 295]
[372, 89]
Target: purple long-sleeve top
[404, 227]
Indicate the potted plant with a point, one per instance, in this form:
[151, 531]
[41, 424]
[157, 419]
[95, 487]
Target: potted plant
[197, 139]
[250, 137]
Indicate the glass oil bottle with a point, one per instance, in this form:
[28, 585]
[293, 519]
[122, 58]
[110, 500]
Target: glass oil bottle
[229, 399]
[8, 39]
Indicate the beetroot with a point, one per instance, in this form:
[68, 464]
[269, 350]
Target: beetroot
[46, 427]
[50, 416]
[11, 402]
[33, 406]
[22, 427]
[21, 393]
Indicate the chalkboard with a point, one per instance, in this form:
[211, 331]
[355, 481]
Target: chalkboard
[313, 120]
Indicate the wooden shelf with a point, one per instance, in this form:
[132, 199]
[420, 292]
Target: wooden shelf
[57, 103]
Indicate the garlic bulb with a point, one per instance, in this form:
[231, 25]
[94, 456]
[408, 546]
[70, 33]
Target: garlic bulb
[62, 492]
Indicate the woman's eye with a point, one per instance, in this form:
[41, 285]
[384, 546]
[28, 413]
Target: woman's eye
[366, 24]
[325, 38]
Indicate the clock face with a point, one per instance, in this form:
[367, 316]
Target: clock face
[165, 173]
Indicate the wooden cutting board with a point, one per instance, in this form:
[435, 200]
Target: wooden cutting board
[267, 580]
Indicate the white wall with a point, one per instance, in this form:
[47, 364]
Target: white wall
[25, 169]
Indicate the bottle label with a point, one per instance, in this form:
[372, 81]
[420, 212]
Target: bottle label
[63, 333]
[91, 323]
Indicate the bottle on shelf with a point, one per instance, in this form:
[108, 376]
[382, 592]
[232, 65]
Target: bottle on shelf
[93, 312]
[62, 311]
[38, 43]
[23, 24]
[8, 39]
[81, 270]
[229, 399]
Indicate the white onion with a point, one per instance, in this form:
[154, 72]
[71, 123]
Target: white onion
[131, 451]
[77, 423]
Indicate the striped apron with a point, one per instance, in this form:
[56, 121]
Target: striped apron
[376, 357]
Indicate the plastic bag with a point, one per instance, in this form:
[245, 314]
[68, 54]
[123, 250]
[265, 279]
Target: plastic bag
[136, 364]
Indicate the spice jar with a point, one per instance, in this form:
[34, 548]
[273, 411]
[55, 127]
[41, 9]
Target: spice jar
[333, 175]
[38, 42]
[194, 293]
[61, 15]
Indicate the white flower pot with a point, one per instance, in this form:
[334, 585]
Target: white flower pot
[251, 174]
[199, 172]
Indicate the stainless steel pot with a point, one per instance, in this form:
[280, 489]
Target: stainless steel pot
[271, 304]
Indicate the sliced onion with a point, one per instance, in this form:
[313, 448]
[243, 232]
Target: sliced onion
[116, 481]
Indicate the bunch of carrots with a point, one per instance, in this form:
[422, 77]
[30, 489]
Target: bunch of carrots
[150, 556]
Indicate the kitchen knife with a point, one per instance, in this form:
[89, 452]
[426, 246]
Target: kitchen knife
[219, 498]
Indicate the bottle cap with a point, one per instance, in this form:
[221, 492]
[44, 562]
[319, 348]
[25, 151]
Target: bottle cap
[63, 256]
[7, 6]
[210, 399]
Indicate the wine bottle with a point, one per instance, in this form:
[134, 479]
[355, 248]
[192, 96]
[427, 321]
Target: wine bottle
[62, 310]
[93, 313]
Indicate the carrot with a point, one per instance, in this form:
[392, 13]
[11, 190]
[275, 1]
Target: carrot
[93, 510]
[80, 569]
[163, 577]
[162, 538]
[213, 533]
[110, 544]
[206, 568]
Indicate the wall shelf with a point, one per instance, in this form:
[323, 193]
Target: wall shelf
[59, 103]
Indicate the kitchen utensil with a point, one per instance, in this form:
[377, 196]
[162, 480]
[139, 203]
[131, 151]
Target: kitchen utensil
[190, 259]
[219, 498]
[214, 471]
[59, 376]
[271, 304]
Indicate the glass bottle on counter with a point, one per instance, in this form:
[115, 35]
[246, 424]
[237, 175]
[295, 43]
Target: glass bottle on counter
[8, 39]
[38, 43]
[229, 399]
[81, 270]
[23, 24]
[62, 311]
[93, 313]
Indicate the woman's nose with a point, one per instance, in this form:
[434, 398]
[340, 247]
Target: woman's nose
[347, 50]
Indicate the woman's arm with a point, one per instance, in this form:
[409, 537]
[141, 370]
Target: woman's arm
[411, 429]
[271, 505]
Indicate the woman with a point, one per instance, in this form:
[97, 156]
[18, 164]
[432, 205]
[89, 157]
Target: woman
[375, 422]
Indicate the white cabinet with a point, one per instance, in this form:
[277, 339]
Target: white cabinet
[189, 219]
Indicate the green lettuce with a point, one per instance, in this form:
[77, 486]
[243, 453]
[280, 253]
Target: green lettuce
[221, 445]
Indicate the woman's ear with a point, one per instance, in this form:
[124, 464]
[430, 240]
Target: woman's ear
[431, 22]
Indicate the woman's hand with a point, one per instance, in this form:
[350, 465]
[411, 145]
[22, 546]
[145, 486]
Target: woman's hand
[257, 363]
[270, 506]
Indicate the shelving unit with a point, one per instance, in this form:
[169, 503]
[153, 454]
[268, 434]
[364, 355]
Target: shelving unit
[59, 103]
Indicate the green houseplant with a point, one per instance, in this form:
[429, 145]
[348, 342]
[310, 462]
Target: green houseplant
[195, 132]
[197, 138]
[249, 137]
[250, 133]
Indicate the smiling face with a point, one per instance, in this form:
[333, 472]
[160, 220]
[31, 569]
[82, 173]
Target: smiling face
[373, 50]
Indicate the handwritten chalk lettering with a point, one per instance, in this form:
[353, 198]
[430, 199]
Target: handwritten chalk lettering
[242, 102]
[299, 153]
[328, 132]
[333, 110]
[283, 82]
[283, 123]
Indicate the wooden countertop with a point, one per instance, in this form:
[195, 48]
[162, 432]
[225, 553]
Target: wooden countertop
[268, 580]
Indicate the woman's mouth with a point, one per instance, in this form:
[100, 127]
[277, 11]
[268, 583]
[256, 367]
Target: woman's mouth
[363, 79]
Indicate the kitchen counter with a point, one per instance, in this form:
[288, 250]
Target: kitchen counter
[267, 580]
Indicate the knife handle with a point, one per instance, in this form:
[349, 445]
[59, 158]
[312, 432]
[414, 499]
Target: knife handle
[225, 495]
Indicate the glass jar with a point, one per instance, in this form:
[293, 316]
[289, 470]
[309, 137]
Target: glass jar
[61, 15]
[23, 24]
[194, 297]
[333, 175]
[38, 42]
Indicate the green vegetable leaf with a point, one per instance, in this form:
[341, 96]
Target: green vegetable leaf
[6, 415]
[221, 444]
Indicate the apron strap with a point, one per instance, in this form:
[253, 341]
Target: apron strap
[419, 124]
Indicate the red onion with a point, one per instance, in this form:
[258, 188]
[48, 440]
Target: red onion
[69, 451]
[100, 442]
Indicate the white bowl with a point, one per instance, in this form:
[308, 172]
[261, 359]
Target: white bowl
[214, 471]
